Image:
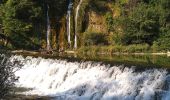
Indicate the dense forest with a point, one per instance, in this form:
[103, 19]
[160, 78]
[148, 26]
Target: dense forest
[94, 25]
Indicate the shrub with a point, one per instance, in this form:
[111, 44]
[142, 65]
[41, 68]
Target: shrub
[163, 42]
[117, 48]
[93, 38]
[7, 77]
[137, 48]
[155, 47]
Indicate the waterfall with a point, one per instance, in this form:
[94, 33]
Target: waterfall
[69, 22]
[76, 23]
[88, 80]
[48, 29]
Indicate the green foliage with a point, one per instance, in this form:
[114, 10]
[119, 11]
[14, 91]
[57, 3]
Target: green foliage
[109, 21]
[135, 48]
[24, 21]
[18, 18]
[92, 38]
[122, 2]
[143, 23]
[163, 44]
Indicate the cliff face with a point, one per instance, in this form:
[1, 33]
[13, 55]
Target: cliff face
[96, 23]
[95, 16]
[92, 19]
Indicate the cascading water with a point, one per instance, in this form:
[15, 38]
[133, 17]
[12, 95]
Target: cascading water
[66, 80]
[76, 23]
[48, 29]
[69, 22]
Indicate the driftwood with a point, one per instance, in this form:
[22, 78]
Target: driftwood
[24, 51]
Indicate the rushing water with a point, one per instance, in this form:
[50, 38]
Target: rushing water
[69, 21]
[76, 23]
[48, 29]
[87, 80]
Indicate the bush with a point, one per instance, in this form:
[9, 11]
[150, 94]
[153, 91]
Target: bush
[95, 39]
[155, 47]
[117, 48]
[7, 77]
[135, 48]
[162, 44]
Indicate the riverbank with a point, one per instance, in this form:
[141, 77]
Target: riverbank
[94, 50]
[121, 50]
[28, 97]
[88, 52]
[19, 95]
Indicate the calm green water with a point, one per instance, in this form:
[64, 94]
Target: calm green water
[162, 61]
[148, 60]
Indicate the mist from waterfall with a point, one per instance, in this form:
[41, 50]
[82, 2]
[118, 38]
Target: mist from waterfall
[76, 23]
[69, 22]
[88, 80]
[48, 29]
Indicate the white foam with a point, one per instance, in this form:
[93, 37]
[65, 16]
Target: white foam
[90, 81]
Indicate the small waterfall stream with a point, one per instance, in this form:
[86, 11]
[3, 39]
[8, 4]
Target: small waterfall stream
[69, 22]
[48, 29]
[76, 23]
[88, 80]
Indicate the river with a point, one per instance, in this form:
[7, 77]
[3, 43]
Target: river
[99, 77]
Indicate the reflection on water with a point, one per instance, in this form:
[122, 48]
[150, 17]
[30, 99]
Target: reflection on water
[146, 60]
[137, 60]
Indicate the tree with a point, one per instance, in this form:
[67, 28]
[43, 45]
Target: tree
[18, 18]
[141, 25]
[141, 21]
[163, 41]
